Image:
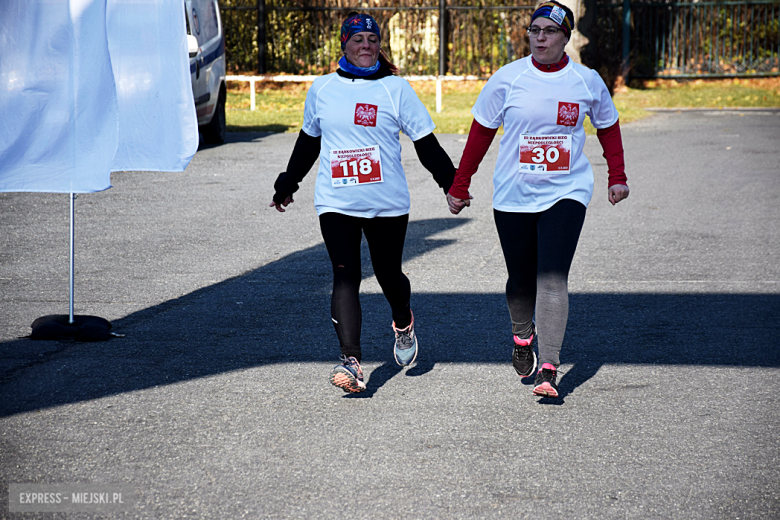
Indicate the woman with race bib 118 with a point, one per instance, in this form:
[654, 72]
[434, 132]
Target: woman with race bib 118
[351, 123]
[542, 182]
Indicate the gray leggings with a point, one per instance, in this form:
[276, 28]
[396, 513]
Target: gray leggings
[538, 250]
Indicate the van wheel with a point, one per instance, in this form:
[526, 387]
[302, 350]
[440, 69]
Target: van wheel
[216, 131]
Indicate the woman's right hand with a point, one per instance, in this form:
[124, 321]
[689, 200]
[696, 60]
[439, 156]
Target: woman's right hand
[457, 205]
[279, 207]
[617, 192]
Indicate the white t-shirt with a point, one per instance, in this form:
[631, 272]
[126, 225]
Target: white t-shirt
[360, 172]
[542, 112]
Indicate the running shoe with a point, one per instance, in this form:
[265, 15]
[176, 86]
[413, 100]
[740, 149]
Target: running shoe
[405, 349]
[524, 357]
[544, 385]
[348, 375]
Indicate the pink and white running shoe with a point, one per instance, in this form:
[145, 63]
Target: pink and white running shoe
[544, 384]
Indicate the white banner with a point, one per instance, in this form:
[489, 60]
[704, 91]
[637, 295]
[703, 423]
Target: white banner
[92, 86]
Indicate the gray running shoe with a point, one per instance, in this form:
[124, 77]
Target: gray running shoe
[348, 375]
[405, 349]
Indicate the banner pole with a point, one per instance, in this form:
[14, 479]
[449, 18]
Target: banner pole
[72, 201]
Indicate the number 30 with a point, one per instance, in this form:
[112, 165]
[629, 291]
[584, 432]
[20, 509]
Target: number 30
[551, 155]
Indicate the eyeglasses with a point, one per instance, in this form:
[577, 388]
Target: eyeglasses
[548, 31]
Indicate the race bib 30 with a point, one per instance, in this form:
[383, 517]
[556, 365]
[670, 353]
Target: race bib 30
[545, 153]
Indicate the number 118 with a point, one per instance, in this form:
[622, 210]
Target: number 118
[364, 164]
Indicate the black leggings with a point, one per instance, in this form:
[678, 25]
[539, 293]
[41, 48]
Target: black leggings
[385, 237]
[539, 249]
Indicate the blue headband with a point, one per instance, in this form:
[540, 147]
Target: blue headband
[355, 24]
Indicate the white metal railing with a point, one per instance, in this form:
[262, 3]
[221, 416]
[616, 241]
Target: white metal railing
[302, 79]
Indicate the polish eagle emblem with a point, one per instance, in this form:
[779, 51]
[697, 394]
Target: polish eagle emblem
[365, 114]
[568, 113]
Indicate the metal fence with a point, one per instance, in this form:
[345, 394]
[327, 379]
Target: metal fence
[296, 38]
[680, 39]
[687, 39]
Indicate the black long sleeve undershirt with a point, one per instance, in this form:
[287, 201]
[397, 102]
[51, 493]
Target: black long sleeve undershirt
[305, 153]
[435, 160]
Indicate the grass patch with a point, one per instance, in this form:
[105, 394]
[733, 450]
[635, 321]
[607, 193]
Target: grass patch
[729, 93]
[457, 99]
[279, 106]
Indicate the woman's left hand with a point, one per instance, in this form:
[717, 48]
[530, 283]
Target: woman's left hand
[617, 193]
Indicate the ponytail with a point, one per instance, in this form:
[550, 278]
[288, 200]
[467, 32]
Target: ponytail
[384, 60]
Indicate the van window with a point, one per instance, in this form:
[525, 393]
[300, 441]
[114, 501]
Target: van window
[207, 19]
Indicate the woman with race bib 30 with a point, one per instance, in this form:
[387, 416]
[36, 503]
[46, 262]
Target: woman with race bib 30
[351, 123]
[542, 182]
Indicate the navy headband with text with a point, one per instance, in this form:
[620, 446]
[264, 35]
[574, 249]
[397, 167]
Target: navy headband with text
[357, 23]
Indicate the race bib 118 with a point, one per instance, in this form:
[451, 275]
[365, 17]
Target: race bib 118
[545, 153]
[355, 167]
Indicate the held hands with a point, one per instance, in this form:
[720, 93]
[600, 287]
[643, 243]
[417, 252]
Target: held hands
[279, 207]
[457, 205]
[617, 193]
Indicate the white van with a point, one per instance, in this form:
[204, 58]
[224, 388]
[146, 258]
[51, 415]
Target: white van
[207, 66]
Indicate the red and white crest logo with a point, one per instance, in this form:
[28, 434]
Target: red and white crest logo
[568, 113]
[365, 114]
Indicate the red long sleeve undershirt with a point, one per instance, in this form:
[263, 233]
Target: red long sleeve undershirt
[477, 146]
[612, 144]
[481, 137]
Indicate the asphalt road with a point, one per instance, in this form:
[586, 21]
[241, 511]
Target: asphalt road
[216, 403]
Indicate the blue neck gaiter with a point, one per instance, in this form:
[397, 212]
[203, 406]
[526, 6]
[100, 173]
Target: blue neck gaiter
[357, 71]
